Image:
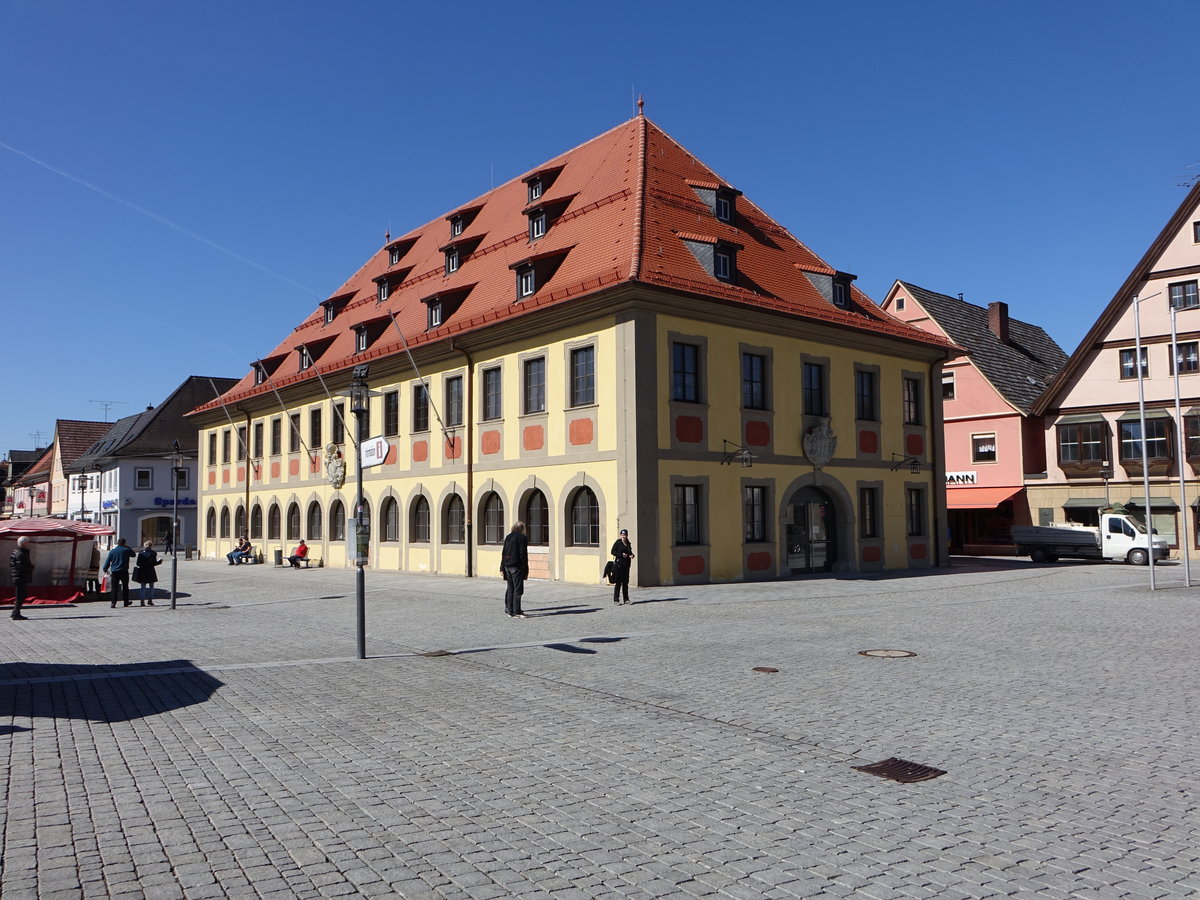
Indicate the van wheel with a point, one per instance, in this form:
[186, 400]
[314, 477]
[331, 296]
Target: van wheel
[1052, 557]
[1039, 556]
[1138, 557]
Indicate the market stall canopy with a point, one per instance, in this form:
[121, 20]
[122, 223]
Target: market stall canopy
[62, 552]
[52, 527]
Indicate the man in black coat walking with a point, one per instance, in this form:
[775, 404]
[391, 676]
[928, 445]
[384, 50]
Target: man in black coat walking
[514, 566]
[117, 565]
[20, 567]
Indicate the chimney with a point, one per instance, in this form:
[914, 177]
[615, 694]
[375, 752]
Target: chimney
[998, 320]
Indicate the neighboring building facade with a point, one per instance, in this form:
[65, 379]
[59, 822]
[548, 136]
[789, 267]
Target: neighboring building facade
[1093, 427]
[14, 467]
[616, 339]
[993, 441]
[71, 439]
[129, 469]
[43, 489]
[31, 490]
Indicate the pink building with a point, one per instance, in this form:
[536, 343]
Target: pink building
[993, 440]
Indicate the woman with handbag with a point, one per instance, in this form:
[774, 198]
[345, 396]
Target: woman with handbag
[143, 572]
[622, 553]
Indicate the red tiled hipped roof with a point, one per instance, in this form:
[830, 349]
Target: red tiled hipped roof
[629, 204]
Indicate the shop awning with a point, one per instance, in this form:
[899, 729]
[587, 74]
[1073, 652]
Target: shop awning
[1140, 501]
[1085, 503]
[979, 497]
[1133, 415]
[1081, 419]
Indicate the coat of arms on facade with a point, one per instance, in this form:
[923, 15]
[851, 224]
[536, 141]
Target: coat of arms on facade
[335, 466]
[819, 445]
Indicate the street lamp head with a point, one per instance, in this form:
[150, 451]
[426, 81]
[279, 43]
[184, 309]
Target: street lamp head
[359, 373]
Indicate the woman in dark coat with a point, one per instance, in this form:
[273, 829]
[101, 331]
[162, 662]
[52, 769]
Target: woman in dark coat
[622, 553]
[143, 572]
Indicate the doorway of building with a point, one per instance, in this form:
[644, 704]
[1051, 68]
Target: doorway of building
[156, 529]
[810, 531]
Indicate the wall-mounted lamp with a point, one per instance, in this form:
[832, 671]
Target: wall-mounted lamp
[901, 459]
[738, 452]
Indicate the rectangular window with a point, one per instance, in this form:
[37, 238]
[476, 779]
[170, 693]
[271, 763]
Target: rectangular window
[1191, 438]
[305, 358]
[912, 402]
[241, 443]
[434, 318]
[212, 448]
[685, 372]
[868, 512]
[724, 208]
[339, 423]
[143, 479]
[947, 385]
[537, 225]
[685, 513]
[456, 226]
[1184, 295]
[754, 381]
[315, 432]
[983, 448]
[360, 340]
[526, 282]
[260, 374]
[816, 402]
[393, 256]
[840, 292]
[391, 413]
[258, 440]
[328, 313]
[534, 388]
[1083, 444]
[535, 190]
[276, 436]
[723, 265]
[1187, 358]
[866, 404]
[451, 260]
[1127, 365]
[755, 506]
[1158, 440]
[294, 433]
[914, 509]
[420, 408]
[491, 393]
[454, 400]
[583, 376]
[225, 439]
[381, 293]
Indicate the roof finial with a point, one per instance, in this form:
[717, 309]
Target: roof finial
[387, 236]
[641, 104]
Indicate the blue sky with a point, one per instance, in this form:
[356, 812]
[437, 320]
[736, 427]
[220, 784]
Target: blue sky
[181, 184]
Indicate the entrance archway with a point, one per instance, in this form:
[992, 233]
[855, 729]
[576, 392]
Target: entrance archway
[810, 532]
[156, 529]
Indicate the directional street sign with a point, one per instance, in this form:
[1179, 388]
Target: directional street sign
[373, 452]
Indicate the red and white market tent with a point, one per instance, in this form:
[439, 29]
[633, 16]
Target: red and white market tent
[62, 552]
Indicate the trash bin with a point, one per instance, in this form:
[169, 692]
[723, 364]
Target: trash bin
[279, 557]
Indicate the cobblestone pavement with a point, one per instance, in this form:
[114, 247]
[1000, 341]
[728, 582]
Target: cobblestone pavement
[235, 747]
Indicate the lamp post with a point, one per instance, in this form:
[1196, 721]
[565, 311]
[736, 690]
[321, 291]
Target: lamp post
[32, 497]
[360, 398]
[1185, 540]
[176, 474]
[82, 497]
[1137, 362]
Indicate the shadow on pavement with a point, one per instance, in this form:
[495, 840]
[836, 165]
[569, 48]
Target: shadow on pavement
[559, 611]
[101, 693]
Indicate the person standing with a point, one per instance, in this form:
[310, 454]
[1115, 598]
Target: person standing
[20, 567]
[116, 564]
[144, 574]
[622, 554]
[300, 553]
[514, 566]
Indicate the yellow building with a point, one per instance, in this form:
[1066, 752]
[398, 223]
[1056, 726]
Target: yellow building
[618, 339]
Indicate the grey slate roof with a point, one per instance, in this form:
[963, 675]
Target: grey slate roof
[1020, 370]
[152, 432]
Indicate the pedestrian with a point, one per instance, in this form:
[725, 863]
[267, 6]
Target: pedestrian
[116, 564]
[622, 553]
[144, 574]
[239, 552]
[20, 567]
[300, 553]
[514, 566]
[168, 544]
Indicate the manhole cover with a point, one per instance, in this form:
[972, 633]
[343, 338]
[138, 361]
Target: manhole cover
[765, 669]
[901, 770]
[886, 654]
[438, 653]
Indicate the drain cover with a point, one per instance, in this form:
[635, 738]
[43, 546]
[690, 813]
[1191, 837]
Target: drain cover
[901, 770]
[767, 669]
[886, 654]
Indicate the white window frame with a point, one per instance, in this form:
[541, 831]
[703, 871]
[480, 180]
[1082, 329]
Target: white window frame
[143, 479]
[983, 436]
[526, 283]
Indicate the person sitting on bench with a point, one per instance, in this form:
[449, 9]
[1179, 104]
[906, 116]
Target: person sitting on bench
[240, 552]
[300, 554]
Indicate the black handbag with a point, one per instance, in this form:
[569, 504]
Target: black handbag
[609, 570]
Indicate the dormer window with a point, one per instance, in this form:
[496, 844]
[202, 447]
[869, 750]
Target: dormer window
[305, 358]
[435, 313]
[451, 260]
[360, 338]
[840, 292]
[723, 264]
[535, 189]
[393, 255]
[717, 257]
[461, 220]
[526, 281]
[260, 373]
[456, 226]
[538, 183]
[382, 290]
[725, 205]
[397, 249]
[537, 224]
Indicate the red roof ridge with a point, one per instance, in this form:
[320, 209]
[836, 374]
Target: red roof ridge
[639, 202]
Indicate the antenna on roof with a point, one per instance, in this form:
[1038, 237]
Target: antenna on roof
[37, 438]
[107, 404]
